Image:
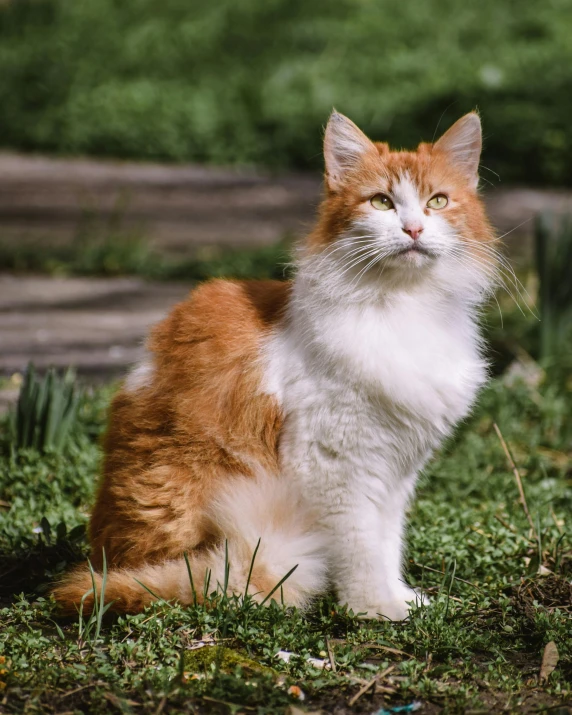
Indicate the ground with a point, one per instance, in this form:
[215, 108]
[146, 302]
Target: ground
[499, 584]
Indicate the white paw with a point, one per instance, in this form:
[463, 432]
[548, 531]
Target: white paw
[396, 608]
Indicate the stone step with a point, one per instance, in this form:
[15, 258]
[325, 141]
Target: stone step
[96, 325]
[180, 208]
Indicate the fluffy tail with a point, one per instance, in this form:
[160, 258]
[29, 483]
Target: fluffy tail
[250, 512]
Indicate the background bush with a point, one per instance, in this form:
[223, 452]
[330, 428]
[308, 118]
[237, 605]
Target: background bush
[253, 81]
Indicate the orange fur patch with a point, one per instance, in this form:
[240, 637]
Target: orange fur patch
[202, 420]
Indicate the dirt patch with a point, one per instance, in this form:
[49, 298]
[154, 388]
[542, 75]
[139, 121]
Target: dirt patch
[549, 592]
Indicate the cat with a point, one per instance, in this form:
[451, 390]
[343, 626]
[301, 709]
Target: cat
[289, 420]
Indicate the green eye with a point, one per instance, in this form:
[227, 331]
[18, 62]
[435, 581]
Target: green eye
[382, 202]
[439, 201]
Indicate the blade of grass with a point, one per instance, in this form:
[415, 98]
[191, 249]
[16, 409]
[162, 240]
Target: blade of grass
[252, 560]
[517, 477]
[279, 584]
[190, 573]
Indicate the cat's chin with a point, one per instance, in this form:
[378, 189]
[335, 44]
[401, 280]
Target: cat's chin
[410, 259]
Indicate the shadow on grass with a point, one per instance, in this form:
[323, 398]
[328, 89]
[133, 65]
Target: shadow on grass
[33, 568]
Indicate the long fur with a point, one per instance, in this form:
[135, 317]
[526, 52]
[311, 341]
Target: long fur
[300, 413]
[261, 530]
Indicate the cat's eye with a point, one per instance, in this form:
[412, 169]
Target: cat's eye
[382, 202]
[439, 201]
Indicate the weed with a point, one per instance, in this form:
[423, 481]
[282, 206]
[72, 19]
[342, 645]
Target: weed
[46, 411]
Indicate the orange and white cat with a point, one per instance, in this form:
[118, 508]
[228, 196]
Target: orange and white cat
[300, 413]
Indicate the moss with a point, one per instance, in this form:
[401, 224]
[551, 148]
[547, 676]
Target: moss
[225, 660]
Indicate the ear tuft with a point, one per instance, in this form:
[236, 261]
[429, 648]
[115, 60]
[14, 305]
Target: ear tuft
[344, 146]
[463, 143]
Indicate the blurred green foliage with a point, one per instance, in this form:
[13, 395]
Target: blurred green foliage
[254, 81]
[553, 260]
[120, 254]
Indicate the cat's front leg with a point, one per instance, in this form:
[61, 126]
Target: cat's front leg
[366, 555]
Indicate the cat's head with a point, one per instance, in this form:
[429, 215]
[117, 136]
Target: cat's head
[398, 215]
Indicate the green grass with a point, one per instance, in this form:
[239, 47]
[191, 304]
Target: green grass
[476, 648]
[253, 82]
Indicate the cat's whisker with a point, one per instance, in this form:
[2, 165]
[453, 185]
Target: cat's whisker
[507, 272]
[487, 251]
[339, 246]
[375, 260]
[360, 258]
[499, 277]
[504, 235]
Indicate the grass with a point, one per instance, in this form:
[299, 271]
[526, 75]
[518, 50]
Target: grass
[46, 411]
[477, 648]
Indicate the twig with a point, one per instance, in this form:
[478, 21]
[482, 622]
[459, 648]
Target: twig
[229, 705]
[331, 655]
[453, 598]
[77, 690]
[513, 529]
[370, 683]
[506, 525]
[395, 651]
[517, 477]
[161, 706]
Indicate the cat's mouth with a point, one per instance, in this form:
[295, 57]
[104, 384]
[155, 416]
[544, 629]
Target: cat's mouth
[414, 251]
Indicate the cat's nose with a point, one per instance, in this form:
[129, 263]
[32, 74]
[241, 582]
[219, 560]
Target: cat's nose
[413, 231]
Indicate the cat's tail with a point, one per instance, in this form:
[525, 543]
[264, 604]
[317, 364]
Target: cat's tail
[265, 532]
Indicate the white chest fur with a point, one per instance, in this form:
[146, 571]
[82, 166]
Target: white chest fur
[368, 391]
[376, 384]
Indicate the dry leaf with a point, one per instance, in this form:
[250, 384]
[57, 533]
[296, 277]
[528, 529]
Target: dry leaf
[543, 571]
[549, 660]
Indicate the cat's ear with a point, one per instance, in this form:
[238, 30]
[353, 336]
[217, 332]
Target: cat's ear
[463, 143]
[344, 145]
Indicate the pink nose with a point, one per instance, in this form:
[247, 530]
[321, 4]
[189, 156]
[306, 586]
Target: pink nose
[413, 231]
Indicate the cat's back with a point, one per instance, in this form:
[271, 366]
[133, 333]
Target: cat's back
[202, 372]
[205, 353]
[225, 316]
